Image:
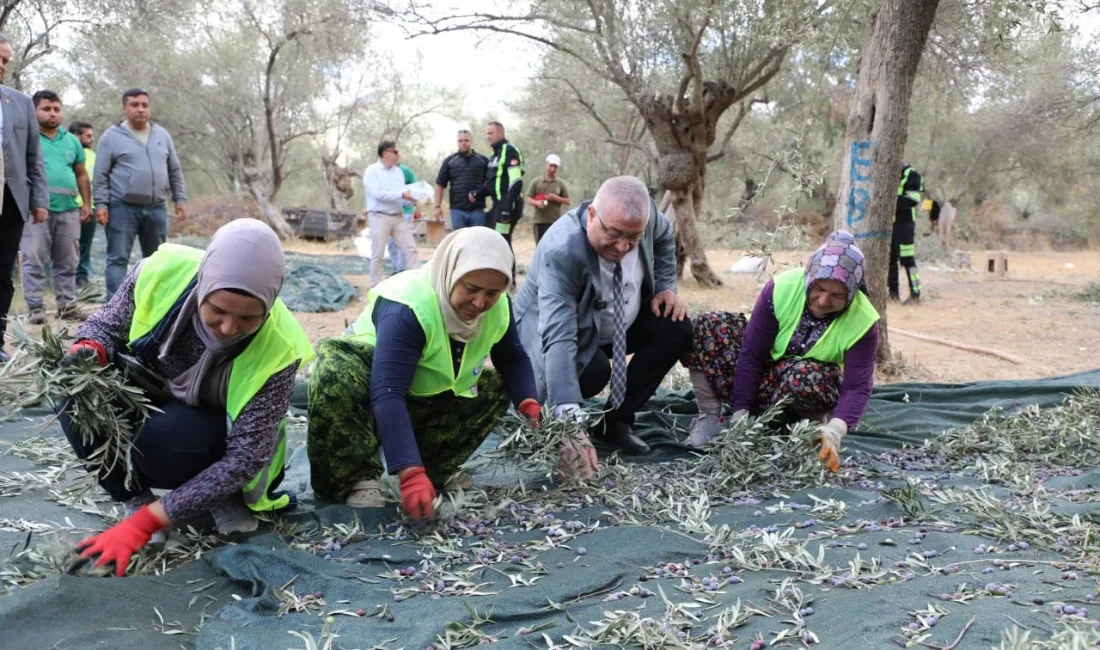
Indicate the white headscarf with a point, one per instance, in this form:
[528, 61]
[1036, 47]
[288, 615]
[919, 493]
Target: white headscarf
[244, 255]
[463, 251]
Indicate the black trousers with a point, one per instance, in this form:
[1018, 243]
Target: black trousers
[493, 217]
[903, 251]
[11, 232]
[171, 449]
[656, 343]
[540, 230]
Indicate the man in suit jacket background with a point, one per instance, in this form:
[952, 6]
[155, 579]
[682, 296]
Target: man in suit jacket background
[602, 285]
[26, 196]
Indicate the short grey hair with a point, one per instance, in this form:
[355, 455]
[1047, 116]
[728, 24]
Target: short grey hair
[625, 196]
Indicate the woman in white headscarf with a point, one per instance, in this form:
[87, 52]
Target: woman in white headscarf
[207, 337]
[410, 377]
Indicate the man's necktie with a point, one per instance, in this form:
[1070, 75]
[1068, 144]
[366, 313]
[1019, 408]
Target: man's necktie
[618, 343]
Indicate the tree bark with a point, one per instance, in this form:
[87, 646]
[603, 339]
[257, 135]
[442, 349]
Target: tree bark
[338, 180]
[259, 190]
[683, 131]
[875, 139]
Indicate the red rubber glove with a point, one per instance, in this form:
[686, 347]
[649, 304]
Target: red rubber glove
[122, 540]
[417, 494]
[532, 410]
[86, 348]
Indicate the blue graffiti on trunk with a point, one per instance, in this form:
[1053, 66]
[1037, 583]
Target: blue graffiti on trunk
[859, 194]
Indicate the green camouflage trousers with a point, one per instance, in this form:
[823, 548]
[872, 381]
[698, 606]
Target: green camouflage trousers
[343, 446]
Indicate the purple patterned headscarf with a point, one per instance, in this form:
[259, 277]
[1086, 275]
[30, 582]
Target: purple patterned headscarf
[838, 259]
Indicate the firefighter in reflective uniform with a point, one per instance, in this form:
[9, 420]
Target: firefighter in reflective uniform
[903, 240]
[503, 183]
[205, 334]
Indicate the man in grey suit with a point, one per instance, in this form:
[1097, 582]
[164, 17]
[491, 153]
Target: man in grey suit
[26, 196]
[602, 285]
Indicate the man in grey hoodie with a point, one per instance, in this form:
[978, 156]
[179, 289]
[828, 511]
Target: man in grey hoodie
[136, 171]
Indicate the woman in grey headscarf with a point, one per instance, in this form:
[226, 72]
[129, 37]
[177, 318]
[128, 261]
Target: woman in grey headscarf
[207, 337]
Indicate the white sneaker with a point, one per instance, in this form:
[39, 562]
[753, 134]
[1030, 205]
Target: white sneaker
[366, 494]
[233, 516]
[705, 428]
[133, 505]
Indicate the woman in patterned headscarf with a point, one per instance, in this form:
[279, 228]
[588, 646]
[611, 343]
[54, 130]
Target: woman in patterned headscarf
[811, 339]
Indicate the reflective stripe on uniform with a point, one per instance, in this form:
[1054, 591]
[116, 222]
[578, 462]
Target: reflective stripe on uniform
[914, 280]
[515, 172]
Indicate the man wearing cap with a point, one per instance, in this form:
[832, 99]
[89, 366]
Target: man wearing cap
[548, 195]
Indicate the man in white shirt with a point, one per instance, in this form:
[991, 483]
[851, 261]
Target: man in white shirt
[602, 285]
[384, 187]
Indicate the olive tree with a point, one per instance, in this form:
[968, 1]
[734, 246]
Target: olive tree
[681, 64]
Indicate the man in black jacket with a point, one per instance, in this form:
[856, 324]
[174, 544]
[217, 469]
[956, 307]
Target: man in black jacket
[464, 171]
[903, 248]
[503, 184]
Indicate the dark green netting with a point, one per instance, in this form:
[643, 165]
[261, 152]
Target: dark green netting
[310, 288]
[229, 591]
[314, 283]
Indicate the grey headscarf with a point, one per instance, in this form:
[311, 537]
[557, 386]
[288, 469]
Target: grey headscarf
[244, 255]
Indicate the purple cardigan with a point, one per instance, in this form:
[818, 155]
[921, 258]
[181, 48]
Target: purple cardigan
[756, 347]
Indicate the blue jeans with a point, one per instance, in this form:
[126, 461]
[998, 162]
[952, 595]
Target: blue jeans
[467, 218]
[125, 221]
[397, 258]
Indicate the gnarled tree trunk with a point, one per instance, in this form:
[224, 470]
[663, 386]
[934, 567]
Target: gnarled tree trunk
[684, 178]
[338, 180]
[875, 139]
[258, 187]
[683, 130]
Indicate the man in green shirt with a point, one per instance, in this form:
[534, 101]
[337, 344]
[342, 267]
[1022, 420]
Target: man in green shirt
[548, 195]
[408, 212]
[55, 240]
[86, 134]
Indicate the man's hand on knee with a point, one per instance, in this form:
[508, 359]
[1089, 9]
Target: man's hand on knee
[668, 304]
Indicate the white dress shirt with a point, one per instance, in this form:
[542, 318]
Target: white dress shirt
[632, 294]
[383, 188]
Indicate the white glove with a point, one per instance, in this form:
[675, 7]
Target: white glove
[562, 411]
[738, 415]
[830, 436]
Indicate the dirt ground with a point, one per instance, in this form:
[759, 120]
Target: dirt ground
[1034, 314]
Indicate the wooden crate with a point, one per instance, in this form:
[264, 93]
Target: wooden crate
[311, 223]
[435, 230]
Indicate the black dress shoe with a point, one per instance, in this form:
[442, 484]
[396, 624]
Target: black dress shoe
[621, 435]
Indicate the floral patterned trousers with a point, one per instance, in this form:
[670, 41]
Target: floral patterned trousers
[811, 387]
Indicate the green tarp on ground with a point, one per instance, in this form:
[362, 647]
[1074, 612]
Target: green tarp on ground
[314, 283]
[310, 288]
[227, 599]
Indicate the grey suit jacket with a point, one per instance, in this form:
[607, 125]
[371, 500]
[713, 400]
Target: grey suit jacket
[555, 309]
[24, 171]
